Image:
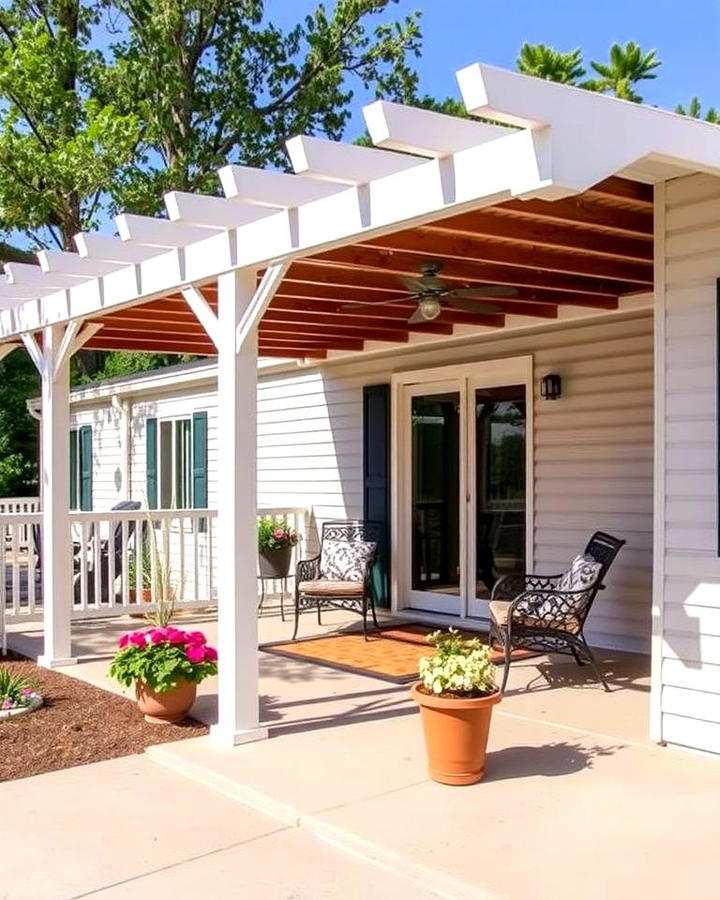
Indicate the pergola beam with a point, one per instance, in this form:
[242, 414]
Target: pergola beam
[394, 126]
[347, 163]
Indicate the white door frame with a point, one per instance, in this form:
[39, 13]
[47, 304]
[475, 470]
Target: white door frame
[462, 378]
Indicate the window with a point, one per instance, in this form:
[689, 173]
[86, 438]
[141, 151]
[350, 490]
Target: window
[174, 470]
[177, 462]
[81, 468]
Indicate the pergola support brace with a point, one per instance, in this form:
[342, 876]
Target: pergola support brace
[260, 301]
[203, 313]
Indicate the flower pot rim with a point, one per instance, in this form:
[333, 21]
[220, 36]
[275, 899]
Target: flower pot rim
[433, 701]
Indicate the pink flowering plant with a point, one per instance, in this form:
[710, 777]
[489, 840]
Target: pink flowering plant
[274, 533]
[16, 691]
[162, 658]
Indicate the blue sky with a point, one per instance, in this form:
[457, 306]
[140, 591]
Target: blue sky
[686, 35]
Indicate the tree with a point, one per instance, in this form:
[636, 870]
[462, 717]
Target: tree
[552, 65]
[59, 145]
[694, 111]
[220, 83]
[18, 431]
[627, 66]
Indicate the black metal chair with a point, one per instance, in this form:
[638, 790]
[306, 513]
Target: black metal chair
[532, 612]
[313, 589]
[113, 545]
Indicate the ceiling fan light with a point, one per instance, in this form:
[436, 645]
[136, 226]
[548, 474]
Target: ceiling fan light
[429, 308]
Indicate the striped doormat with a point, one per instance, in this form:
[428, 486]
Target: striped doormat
[390, 653]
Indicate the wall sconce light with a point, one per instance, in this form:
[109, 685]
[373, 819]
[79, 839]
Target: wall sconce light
[550, 387]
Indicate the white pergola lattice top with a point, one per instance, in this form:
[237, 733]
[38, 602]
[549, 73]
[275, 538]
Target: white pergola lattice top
[563, 141]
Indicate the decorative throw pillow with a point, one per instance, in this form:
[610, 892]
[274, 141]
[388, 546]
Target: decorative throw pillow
[582, 574]
[345, 560]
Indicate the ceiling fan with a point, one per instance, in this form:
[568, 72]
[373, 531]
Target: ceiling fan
[431, 292]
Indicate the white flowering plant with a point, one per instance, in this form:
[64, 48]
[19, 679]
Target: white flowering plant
[460, 667]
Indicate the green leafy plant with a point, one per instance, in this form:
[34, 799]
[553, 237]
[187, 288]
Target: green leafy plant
[153, 574]
[16, 690]
[460, 667]
[162, 658]
[274, 533]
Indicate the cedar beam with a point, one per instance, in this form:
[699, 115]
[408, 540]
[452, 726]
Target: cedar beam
[539, 234]
[436, 244]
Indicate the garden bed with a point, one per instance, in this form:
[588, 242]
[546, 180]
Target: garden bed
[78, 724]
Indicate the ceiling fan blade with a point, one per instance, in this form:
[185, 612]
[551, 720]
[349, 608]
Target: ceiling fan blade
[424, 284]
[472, 306]
[363, 307]
[485, 290]
[417, 317]
[413, 283]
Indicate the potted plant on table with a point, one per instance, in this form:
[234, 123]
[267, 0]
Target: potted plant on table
[275, 542]
[456, 692]
[166, 665]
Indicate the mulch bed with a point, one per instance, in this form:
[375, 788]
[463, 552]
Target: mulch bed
[78, 724]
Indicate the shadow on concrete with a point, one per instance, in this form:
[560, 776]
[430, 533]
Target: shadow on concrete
[548, 760]
[623, 671]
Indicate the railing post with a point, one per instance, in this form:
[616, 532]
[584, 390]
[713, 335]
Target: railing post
[54, 480]
[236, 541]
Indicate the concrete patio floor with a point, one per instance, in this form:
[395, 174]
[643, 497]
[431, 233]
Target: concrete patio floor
[576, 801]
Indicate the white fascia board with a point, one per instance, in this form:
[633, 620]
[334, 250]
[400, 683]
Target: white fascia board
[594, 136]
[153, 382]
[155, 232]
[268, 188]
[514, 165]
[18, 291]
[216, 212]
[334, 161]
[112, 249]
[423, 131]
[62, 262]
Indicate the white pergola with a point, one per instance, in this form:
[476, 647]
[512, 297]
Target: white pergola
[222, 262]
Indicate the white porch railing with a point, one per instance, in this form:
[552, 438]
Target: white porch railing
[19, 505]
[110, 567]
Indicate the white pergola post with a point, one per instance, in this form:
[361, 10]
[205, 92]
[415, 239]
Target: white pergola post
[55, 481]
[238, 712]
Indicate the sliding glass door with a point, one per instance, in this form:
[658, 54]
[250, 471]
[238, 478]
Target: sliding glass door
[462, 485]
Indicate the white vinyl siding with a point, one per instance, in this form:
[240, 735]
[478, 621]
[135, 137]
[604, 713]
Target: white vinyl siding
[687, 663]
[106, 452]
[593, 449]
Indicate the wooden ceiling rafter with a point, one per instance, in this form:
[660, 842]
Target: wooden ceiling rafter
[584, 251]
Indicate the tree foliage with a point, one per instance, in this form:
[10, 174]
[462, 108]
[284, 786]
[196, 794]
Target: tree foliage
[60, 145]
[18, 430]
[551, 64]
[627, 66]
[695, 111]
[218, 82]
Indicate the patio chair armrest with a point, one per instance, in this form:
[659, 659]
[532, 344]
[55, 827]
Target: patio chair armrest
[307, 569]
[509, 587]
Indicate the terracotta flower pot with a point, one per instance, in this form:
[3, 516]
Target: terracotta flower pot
[456, 734]
[142, 596]
[168, 707]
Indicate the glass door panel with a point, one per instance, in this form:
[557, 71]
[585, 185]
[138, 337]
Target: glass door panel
[436, 542]
[498, 488]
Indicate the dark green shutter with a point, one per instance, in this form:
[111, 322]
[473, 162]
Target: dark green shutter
[200, 464]
[376, 479]
[86, 466]
[73, 469]
[151, 473]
